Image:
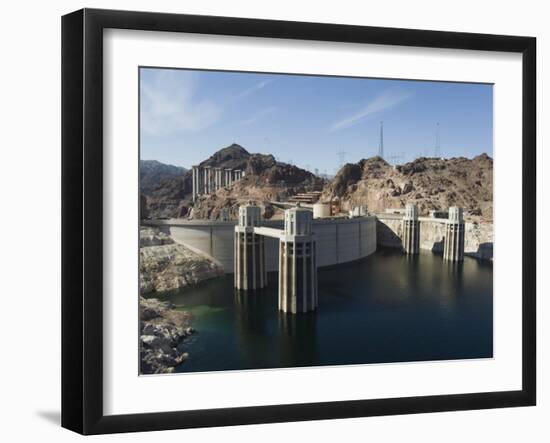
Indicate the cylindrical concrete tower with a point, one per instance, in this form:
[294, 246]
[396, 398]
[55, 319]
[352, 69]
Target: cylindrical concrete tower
[228, 177]
[218, 178]
[321, 210]
[250, 269]
[222, 177]
[411, 230]
[454, 235]
[206, 183]
[214, 179]
[297, 263]
[195, 171]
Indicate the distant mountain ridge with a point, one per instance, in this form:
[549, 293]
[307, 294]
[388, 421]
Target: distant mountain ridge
[153, 173]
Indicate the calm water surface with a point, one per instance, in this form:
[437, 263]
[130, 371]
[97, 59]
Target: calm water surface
[385, 308]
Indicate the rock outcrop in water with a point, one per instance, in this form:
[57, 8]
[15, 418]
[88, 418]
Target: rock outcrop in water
[162, 334]
[165, 265]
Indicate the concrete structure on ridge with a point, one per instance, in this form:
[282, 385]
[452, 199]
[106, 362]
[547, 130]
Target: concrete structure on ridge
[453, 249]
[207, 179]
[411, 230]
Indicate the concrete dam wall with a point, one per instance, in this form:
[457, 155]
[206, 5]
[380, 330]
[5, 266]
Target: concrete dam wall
[478, 241]
[339, 240]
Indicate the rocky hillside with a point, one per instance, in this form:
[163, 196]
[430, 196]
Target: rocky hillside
[152, 175]
[233, 156]
[429, 182]
[265, 180]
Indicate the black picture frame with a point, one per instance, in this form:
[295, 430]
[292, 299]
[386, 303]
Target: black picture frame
[82, 218]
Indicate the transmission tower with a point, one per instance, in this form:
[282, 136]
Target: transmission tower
[437, 142]
[341, 157]
[381, 142]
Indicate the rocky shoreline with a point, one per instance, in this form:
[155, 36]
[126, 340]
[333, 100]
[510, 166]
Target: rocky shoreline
[163, 331]
[165, 265]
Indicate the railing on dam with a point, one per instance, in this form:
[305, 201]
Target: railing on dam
[339, 240]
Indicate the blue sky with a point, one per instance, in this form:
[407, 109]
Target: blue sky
[188, 115]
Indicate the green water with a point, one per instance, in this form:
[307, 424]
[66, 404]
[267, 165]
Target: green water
[385, 308]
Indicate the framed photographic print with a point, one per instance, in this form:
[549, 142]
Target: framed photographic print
[270, 221]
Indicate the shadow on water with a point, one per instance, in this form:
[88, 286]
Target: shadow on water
[388, 307]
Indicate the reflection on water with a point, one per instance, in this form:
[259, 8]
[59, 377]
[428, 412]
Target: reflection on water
[386, 308]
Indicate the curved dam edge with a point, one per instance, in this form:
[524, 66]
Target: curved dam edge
[339, 240]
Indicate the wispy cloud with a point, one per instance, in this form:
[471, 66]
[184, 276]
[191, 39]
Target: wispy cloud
[251, 90]
[169, 104]
[386, 100]
[259, 115]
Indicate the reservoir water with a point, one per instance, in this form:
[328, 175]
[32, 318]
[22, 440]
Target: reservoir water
[385, 308]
